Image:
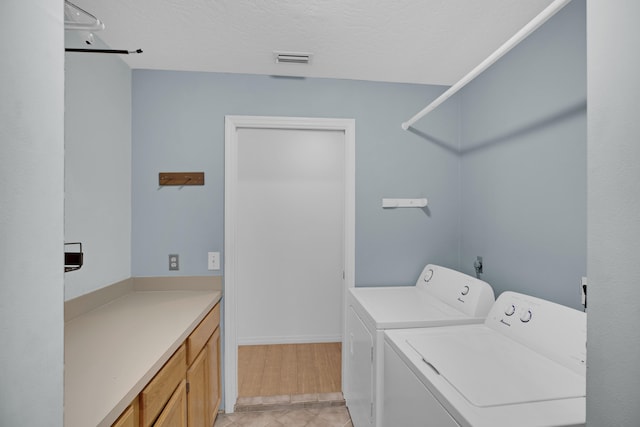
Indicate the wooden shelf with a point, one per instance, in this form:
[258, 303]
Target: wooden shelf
[181, 178]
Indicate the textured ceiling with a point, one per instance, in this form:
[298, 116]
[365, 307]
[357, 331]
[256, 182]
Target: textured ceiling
[417, 41]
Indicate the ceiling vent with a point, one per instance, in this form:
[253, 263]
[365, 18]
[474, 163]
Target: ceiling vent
[292, 57]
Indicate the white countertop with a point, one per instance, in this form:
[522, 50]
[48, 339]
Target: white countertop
[112, 352]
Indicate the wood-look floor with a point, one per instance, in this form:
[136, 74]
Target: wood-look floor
[281, 369]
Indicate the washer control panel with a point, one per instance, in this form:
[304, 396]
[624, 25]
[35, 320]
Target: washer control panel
[554, 330]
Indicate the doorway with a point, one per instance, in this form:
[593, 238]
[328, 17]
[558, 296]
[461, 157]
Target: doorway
[289, 232]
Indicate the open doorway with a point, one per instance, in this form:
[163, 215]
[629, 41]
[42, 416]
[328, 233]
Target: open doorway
[289, 243]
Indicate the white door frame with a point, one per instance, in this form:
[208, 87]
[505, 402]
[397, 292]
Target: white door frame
[232, 124]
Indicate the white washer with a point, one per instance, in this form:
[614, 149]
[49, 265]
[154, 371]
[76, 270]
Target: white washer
[440, 297]
[524, 366]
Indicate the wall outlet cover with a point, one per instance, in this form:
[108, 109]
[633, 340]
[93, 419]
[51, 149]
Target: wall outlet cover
[174, 262]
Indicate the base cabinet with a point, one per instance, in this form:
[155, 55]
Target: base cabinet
[186, 390]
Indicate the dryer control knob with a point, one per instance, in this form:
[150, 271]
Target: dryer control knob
[526, 316]
[465, 290]
[510, 310]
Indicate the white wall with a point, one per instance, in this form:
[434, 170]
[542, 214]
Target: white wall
[31, 213]
[97, 167]
[613, 225]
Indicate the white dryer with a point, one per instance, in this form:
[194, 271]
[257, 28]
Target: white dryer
[440, 297]
[525, 366]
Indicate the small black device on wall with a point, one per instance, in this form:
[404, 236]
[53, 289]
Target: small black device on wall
[73, 260]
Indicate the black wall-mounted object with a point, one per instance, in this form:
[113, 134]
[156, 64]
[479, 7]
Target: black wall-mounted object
[73, 260]
[115, 51]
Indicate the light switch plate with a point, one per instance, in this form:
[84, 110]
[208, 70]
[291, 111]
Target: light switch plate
[213, 261]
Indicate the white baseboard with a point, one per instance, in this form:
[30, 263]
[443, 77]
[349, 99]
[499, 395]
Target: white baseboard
[302, 339]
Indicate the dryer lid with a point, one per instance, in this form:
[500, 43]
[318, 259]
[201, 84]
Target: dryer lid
[407, 307]
[489, 369]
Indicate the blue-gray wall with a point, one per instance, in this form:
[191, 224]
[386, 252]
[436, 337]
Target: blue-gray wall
[97, 203]
[613, 336]
[178, 125]
[503, 165]
[523, 164]
[31, 213]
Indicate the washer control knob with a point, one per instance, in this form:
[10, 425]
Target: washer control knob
[526, 316]
[465, 290]
[428, 275]
[510, 310]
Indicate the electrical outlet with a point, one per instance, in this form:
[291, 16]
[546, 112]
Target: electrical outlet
[174, 262]
[213, 260]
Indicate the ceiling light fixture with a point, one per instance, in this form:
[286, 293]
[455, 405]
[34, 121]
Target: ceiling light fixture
[292, 57]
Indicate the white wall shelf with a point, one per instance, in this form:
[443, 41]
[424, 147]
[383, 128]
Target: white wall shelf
[404, 203]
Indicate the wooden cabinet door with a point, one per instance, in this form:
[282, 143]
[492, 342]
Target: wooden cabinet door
[197, 394]
[162, 386]
[174, 413]
[213, 350]
[202, 333]
[130, 416]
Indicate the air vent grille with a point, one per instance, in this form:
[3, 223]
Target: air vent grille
[292, 58]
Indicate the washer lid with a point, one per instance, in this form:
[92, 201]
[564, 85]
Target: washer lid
[488, 369]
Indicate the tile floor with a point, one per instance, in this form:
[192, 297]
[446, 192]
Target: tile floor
[335, 416]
